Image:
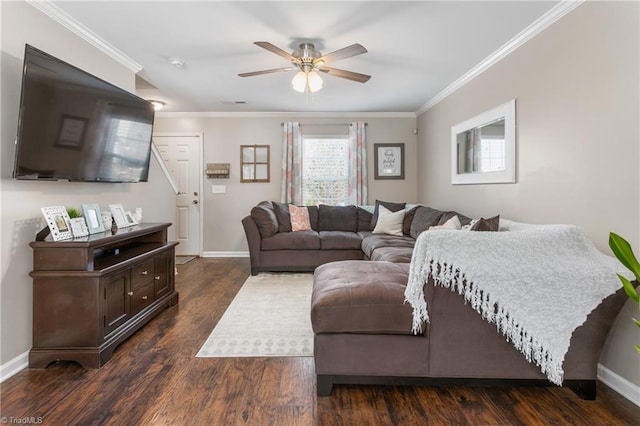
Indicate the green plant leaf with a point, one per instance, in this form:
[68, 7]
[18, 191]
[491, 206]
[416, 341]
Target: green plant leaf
[623, 251]
[638, 348]
[636, 321]
[629, 289]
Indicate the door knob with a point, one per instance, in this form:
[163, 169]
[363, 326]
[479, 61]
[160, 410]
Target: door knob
[195, 201]
[195, 193]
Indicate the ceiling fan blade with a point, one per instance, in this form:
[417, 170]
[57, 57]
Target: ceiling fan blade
[274, 49]
[345, 52]
[251, 74]
[349, 75]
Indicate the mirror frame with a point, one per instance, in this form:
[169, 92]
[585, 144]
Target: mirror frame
[508, 175]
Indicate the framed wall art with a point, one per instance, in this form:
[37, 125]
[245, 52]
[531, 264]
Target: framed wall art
[93, 218]
[254, 163]
[388, 160]
[58, 222]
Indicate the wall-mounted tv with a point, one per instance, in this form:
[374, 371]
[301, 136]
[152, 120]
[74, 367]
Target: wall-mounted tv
[75, 126]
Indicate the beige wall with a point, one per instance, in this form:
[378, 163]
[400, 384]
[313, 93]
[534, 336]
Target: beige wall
[22, 200]
[576, 87]
[222, 139]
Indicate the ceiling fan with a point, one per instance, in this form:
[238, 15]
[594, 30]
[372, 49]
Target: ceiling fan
[311, 61]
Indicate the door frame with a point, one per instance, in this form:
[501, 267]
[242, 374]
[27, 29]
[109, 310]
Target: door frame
[200, 137]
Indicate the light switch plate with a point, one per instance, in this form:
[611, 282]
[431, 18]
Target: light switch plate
[218, 189]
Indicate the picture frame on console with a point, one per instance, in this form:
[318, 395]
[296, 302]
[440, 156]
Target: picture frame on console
[93, 218]
[58, 221]
[388, 160]
[120, 217]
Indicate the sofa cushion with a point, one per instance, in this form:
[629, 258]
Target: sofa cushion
[423, 218]
[303, 240]
[492, 224]
[338, 218]
[364, 220]
[408, 220]
[389, 222]
[360, 297]
[464, 220]
[299, 218]
[283, 216]
[376, 241]
[340, 240]
[265, 218]
[394, 207]
[452, 223]
[393, 254]
[313, 217]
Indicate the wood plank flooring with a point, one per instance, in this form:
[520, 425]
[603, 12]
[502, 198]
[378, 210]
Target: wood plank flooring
[154, 378]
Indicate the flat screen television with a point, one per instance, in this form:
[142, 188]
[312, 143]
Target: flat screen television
[75, 126]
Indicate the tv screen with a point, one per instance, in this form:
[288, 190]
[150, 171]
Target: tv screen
[73, 125]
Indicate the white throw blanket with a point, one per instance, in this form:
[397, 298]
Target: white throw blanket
[537, 283]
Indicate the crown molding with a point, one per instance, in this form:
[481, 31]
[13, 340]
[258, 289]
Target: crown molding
[257, 114]
[67, 21]
[553, 15]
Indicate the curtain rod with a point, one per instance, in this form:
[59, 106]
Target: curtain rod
[325, 124]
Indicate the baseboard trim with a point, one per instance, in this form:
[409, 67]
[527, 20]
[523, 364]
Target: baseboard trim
[619, 384]
[14, 366]
[225, 254]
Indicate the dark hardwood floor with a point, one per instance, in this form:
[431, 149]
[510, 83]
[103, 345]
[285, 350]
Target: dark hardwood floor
[155, 378]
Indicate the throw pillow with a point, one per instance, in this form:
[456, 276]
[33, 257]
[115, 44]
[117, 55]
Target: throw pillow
[394, 207]
[408, 220]
[492, 224]
[448, 215]
[423, 218]
[283, 216]
[299, 218]
[452, 223]
[389, 222]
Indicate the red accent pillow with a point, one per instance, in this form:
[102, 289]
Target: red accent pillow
[299, 218]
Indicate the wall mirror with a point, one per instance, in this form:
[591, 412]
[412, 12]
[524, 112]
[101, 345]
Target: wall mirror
[483, 148]
[254, 163]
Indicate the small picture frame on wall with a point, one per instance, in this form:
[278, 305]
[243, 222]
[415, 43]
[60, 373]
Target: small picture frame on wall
[93, 218]
[388, 160]
[58, 222]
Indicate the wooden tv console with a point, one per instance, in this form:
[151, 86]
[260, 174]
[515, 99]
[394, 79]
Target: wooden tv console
[92, 293]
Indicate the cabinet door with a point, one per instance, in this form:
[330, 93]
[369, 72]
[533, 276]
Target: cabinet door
[116, 300]
[163, 278]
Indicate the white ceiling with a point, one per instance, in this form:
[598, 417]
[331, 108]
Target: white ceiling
[415, 49]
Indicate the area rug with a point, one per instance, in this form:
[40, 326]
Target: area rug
[269, 317]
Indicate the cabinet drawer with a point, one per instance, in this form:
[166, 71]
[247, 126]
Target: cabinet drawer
[141, 298]
[142, 274]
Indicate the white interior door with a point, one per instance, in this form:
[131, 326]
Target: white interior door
[182, 154]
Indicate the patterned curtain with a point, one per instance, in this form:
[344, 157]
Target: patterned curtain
[357, 163]
[291, 187]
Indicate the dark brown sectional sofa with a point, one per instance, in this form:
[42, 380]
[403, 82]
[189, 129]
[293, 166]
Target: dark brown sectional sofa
[362, 327]
[338, 233]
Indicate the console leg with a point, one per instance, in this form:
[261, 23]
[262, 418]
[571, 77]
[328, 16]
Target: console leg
[324, 384]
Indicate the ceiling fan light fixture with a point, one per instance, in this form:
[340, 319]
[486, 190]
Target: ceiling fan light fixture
[314, 81]
[299, 82]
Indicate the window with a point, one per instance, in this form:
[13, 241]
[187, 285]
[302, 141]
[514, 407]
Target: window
[325, 170]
